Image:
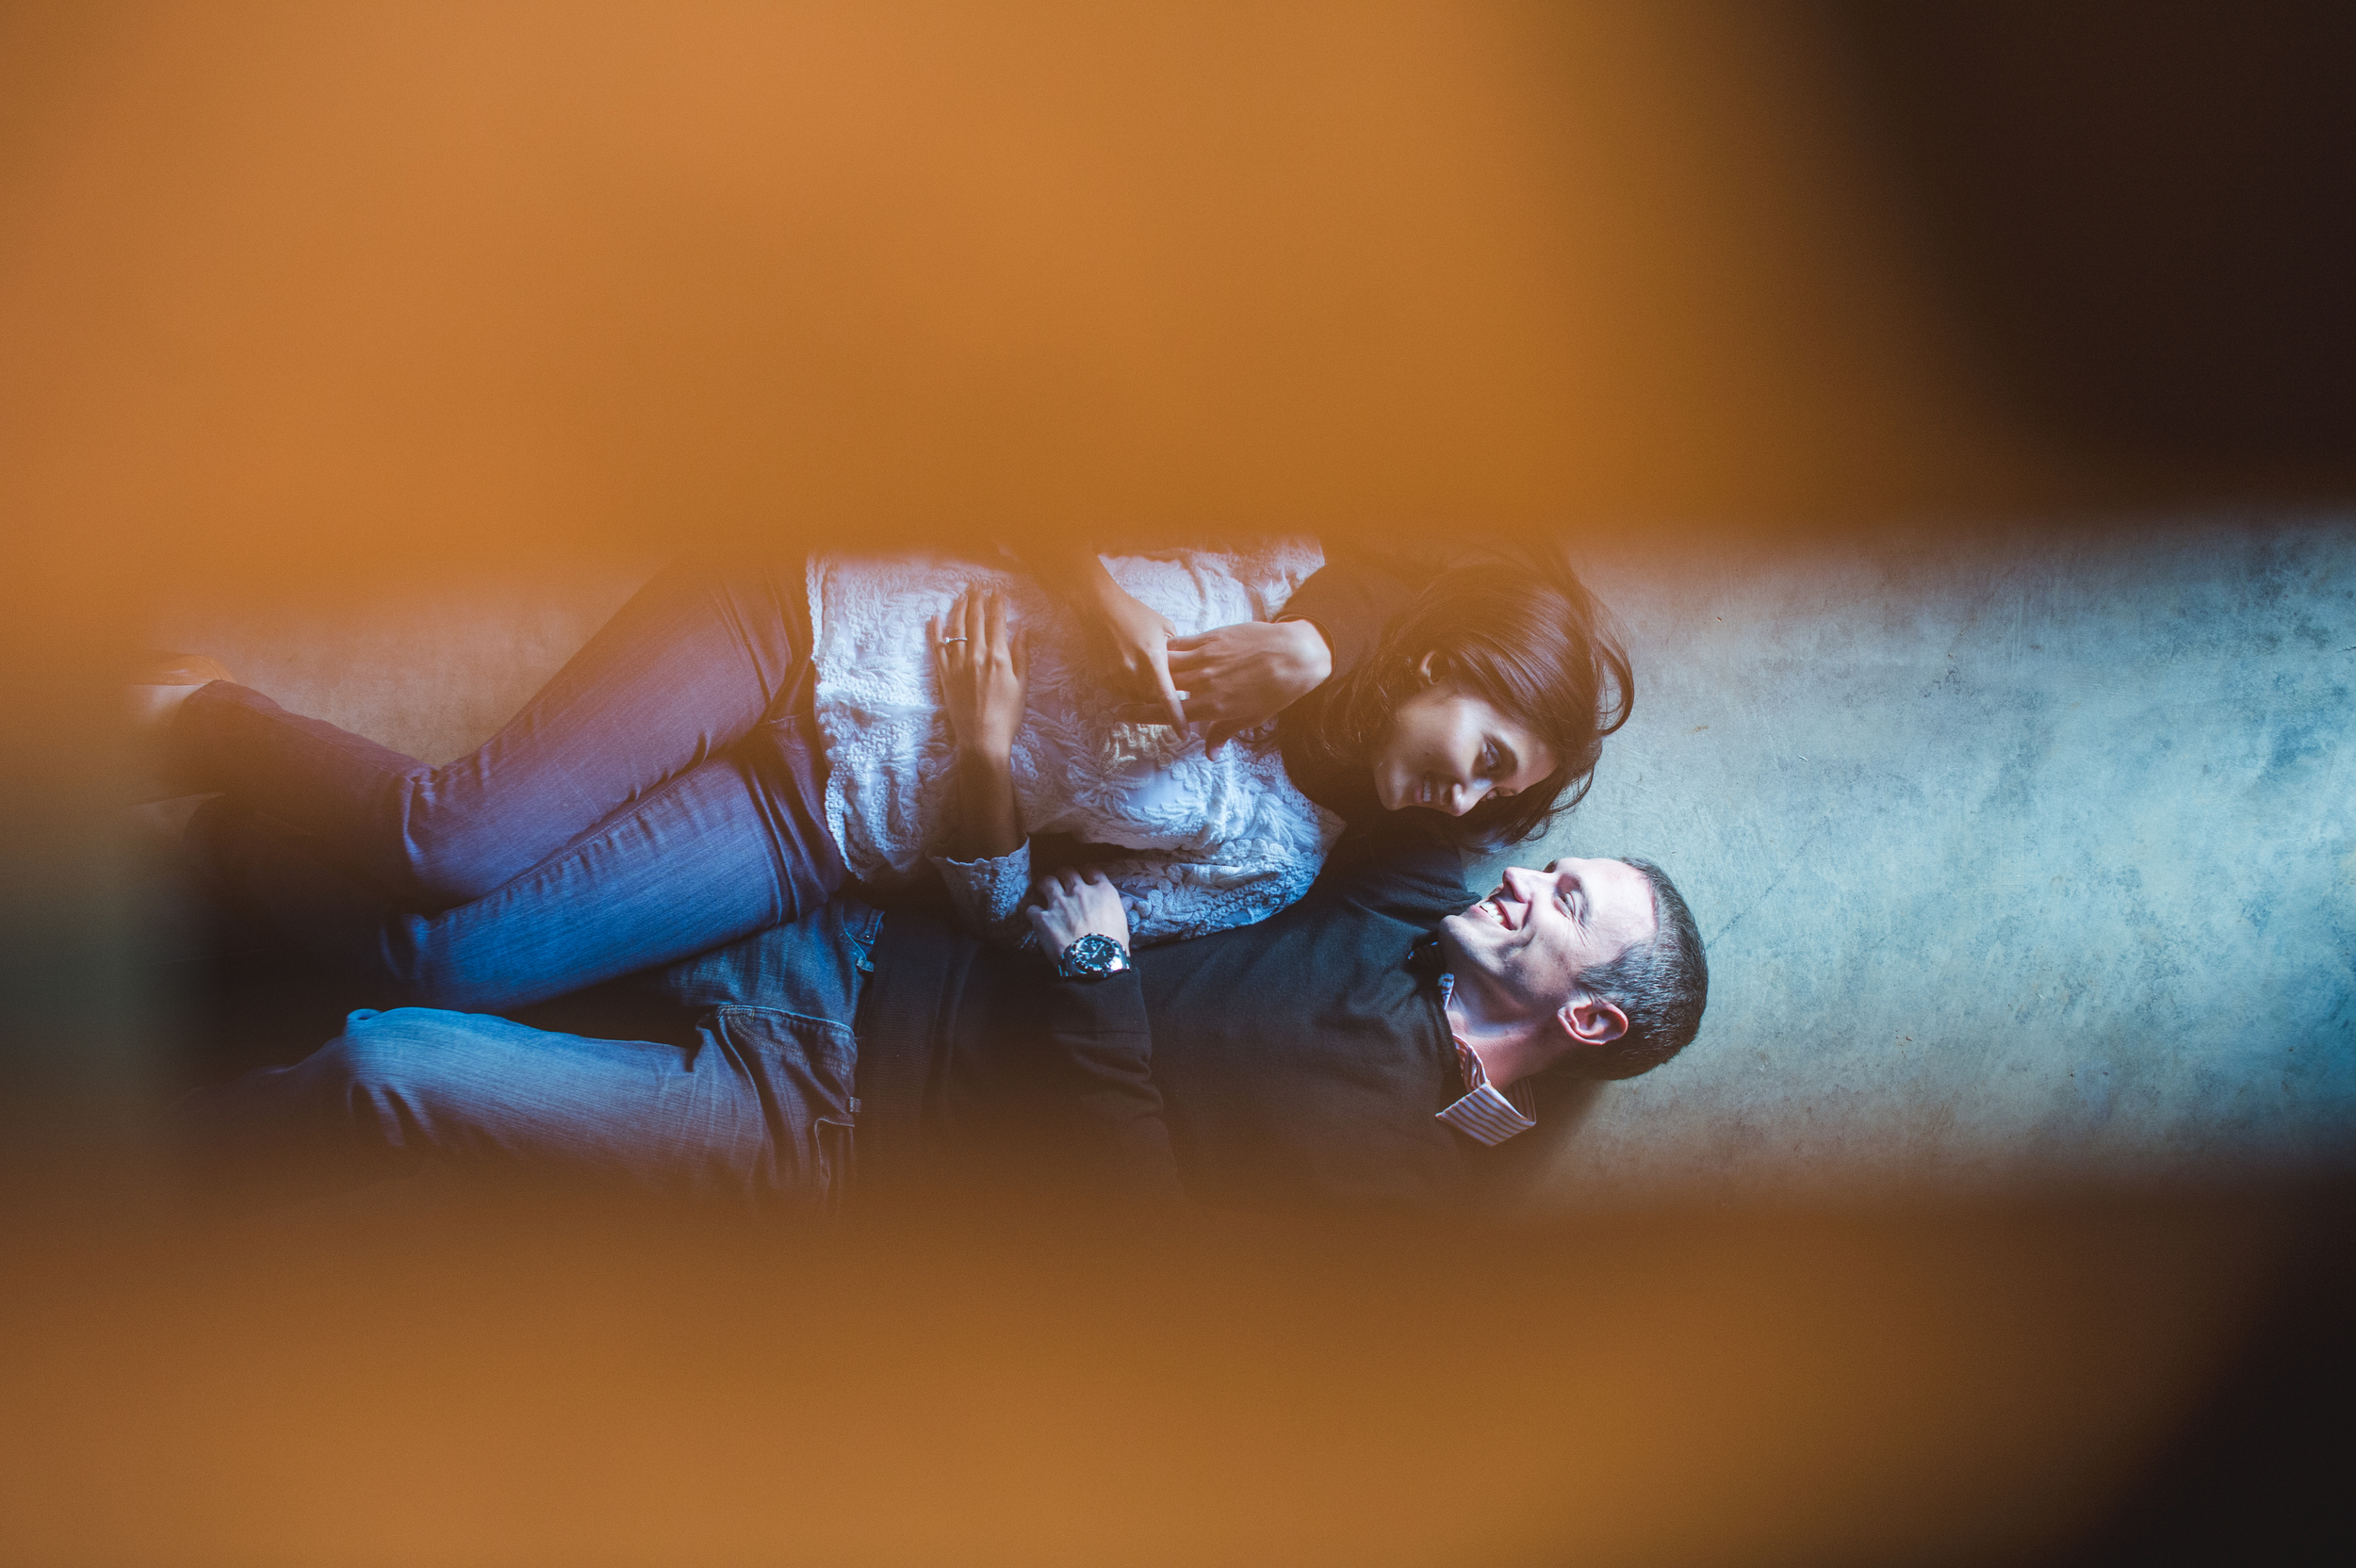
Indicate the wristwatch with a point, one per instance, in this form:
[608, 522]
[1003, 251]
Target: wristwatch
[1093, 958]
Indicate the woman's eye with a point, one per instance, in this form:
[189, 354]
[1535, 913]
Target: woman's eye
[1489, 758]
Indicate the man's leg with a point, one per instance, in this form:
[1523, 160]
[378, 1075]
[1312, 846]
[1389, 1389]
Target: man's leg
[691, 665]
[756, 1113]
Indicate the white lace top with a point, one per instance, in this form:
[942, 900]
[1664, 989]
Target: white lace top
[1217, 842]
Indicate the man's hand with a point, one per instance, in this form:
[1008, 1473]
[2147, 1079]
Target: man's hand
[984, 664]
[1236, 677]
[1071, 904]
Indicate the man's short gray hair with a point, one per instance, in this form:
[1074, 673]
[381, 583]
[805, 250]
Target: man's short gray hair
[1662, 984]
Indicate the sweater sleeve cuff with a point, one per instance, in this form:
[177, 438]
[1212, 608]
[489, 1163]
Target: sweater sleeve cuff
[988, 893]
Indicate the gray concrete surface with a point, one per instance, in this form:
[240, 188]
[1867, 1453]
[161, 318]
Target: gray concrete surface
[2018, 855]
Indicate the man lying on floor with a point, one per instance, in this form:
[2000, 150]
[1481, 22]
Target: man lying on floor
[1361, 1047]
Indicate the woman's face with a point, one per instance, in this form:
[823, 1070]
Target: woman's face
[1449, 750]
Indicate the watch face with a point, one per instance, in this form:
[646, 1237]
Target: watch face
[1093, 958]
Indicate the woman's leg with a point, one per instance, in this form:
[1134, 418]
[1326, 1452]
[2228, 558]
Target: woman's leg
[691, 665]
[725, 849]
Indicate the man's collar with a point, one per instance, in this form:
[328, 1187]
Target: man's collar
[1485, 1113]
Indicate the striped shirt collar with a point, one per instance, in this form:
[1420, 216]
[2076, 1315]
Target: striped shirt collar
[1486, 1114]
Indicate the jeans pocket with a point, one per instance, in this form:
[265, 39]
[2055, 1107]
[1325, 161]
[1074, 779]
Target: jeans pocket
[837, 1158]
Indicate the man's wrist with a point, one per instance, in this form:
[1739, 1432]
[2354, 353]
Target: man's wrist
[1093, 956]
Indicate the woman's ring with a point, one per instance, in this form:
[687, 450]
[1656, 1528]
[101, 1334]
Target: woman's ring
[946, 641]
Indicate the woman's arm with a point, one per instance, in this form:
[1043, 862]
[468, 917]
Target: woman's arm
[984, 664]
[1353, 597]
[1236, 677]
[1231, 677]
[1134, 639]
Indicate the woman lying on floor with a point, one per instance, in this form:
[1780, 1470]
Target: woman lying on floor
[732, 744]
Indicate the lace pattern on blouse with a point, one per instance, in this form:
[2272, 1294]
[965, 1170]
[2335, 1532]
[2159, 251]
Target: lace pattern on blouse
[1214, 842]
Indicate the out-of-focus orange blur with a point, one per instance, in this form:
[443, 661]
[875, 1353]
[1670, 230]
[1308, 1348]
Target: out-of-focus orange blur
[532, 1381]
[296, 294]
[300, 302]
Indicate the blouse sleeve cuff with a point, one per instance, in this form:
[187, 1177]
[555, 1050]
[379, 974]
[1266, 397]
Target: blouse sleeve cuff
[988, 893]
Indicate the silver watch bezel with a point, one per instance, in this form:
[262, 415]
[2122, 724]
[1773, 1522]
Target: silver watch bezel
[1106, 957]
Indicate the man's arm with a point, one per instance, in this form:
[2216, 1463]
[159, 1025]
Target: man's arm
[1099, 1035]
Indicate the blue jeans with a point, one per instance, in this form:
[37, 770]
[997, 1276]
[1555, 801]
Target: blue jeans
[759, 1111]
[661, 795]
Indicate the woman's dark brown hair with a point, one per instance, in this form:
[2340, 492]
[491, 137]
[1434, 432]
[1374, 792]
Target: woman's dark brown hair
[1517, 627]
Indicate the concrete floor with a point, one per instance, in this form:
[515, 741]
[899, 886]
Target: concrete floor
[2019, 856]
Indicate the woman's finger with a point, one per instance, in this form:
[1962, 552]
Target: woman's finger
[994, 620]
[1154, 712]
[1173, 712]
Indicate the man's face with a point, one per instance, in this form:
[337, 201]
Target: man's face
[1527, 943]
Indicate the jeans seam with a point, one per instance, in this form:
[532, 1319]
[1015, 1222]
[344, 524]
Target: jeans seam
[721, 598]
[833, 1025]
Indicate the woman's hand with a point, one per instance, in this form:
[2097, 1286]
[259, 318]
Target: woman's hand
[1135, 642]
[1132, 640]
[1072, 904]
[1236, 677]
[984, 664]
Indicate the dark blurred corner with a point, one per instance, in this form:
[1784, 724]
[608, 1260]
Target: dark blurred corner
[2259, 1472]
[2144, 215]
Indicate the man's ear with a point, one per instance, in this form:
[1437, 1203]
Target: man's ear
[1590, 1020]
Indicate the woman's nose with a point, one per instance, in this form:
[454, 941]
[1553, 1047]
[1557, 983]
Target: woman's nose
[1463, 797]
